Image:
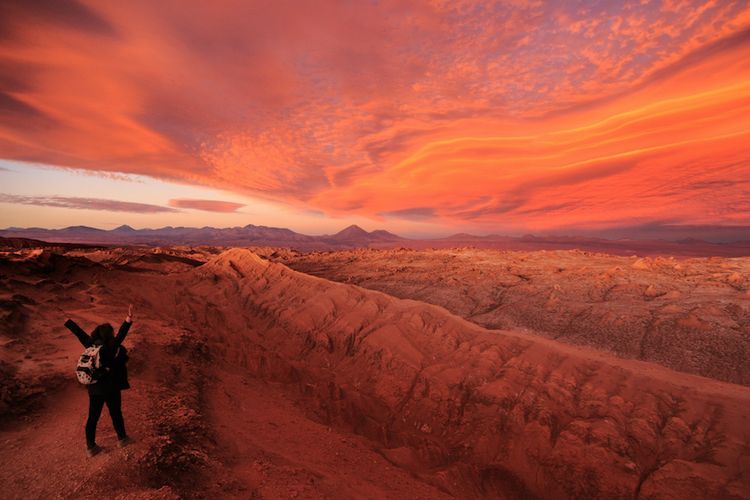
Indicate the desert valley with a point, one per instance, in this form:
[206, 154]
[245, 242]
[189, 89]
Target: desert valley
[375, 250]
[271, 373]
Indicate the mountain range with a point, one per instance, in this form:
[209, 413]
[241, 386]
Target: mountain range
[352, 236]
[355, 237]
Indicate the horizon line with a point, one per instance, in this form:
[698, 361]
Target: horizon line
[676, 239]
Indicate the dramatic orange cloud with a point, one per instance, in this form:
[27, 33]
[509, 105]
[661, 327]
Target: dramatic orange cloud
[522, 115]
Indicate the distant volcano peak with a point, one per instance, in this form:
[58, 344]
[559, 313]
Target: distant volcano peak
[351, 232]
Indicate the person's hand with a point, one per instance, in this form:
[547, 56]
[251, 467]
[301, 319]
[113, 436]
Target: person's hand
[129, 319]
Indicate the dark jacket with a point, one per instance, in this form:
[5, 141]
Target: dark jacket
[113, 358]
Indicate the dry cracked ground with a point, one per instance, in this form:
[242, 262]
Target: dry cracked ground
[415, 374]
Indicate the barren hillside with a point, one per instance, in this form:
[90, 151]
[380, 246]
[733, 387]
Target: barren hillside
[293, 385]
[692, 315]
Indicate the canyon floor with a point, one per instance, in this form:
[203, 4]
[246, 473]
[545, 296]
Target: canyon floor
[464, 373]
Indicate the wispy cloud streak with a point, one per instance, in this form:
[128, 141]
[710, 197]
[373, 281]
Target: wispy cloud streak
[85, 203]
[206, 205]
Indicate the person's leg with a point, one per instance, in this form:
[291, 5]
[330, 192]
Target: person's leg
[114, 404]
[96, 403]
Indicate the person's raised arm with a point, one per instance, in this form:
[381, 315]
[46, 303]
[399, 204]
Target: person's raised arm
[125, 326]
[83, 337]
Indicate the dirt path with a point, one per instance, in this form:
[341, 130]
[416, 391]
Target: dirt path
[43, 452]
[53, 438]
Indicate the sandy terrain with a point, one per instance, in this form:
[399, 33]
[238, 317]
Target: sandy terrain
[691, 314]
[251, 379]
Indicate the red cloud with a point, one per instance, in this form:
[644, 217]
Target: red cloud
[443, 111]
[206, 205]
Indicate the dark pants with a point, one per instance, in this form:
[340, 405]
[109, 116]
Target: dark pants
[114, 405]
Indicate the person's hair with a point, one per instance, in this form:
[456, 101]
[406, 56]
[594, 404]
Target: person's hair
[103, 335]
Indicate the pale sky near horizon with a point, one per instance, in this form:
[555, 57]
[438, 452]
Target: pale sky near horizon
[425, 118]
[40, 181]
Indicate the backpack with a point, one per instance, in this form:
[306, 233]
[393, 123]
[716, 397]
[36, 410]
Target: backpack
[89, 369]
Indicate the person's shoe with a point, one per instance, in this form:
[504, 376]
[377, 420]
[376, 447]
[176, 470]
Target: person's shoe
[122, 443]
[93, 450]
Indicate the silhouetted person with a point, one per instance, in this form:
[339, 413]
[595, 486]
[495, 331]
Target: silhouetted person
[113, 357]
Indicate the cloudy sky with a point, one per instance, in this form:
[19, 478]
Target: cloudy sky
[424, 117]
